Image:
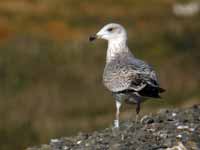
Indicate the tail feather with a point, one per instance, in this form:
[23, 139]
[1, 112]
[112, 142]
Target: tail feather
[150, 91]
[161, 90]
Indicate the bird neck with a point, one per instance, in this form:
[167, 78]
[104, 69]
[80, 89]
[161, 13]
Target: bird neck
[115, 48]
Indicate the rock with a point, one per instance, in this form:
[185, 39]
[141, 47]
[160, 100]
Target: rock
[167, 130]
[147, 120]
[180, 146]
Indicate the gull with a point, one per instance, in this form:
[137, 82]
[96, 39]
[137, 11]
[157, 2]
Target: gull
[130, 79]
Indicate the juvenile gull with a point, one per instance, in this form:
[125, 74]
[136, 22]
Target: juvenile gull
[130, 79]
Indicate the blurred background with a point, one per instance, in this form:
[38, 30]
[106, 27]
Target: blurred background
[51, 76]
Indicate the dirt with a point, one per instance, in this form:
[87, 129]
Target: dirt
[169, 129]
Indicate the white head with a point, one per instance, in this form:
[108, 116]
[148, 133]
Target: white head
[116, 36]
[111, 32]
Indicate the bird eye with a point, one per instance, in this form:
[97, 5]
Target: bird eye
[110, 29]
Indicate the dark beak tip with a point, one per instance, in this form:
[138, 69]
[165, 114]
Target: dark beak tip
[92, 38]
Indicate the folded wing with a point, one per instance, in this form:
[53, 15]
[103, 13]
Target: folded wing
[133, 75]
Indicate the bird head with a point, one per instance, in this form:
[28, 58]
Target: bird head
[110, 32]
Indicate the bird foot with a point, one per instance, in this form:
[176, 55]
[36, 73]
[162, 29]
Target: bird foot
[116, 123]
[137, 118]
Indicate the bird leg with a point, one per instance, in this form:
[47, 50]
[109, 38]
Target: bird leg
[116, 121]
[137, 111]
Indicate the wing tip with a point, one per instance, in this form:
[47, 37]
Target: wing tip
[161, 90]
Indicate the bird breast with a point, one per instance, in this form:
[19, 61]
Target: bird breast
[117, 76]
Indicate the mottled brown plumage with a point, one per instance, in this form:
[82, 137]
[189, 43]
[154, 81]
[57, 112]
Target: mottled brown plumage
[128, 78]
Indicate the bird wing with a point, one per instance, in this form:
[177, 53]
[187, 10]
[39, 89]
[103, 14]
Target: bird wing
[129, 74]
[145, 74]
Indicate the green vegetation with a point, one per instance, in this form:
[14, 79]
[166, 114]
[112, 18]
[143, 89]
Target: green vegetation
[50, 75]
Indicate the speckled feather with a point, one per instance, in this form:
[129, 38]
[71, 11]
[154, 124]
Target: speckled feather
[129, 79]
[125, 72]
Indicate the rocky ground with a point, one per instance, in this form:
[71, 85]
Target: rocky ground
[176, 129]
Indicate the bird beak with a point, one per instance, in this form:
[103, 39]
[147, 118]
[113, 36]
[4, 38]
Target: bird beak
[92, 38]
[96, 36]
